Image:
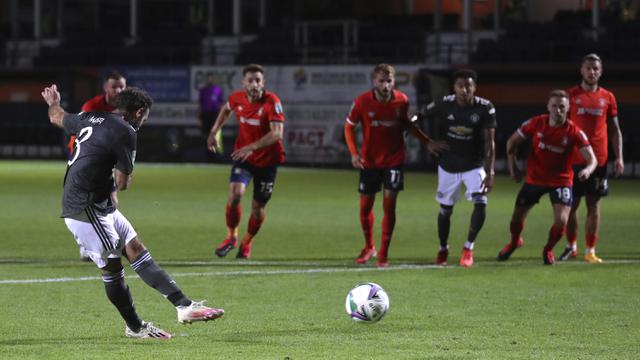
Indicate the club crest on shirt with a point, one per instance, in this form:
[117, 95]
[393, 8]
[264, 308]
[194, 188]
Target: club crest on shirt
[260, 111]
[602, 102]
[578, 101]
[474, 118]
[539, 135]
[239, 107]
[564, 141]
[371, 114]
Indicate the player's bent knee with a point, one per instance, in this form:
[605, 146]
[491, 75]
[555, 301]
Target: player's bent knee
[133, 248]
[113, 266]
[258, 213]
[446, 210]
[479, 199]
[235, 198]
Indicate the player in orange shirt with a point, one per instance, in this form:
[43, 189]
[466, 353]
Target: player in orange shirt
[383, 114]
[553, 139]
[113, 85]
[258, 151]
[595, 111]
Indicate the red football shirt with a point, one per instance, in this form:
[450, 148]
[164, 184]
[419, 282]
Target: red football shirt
[589, 111]
[97, 103]
[383, 126]
[254, 120]
[549, 163]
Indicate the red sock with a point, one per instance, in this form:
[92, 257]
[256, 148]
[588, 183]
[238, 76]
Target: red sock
[254, 224]
[572, 237]
[592, 239]
[233, 215]
[388, 223]
[555, 234]
[516, 228]
[366, 219]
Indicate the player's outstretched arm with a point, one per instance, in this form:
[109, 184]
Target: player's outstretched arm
[512, 149]
[223, 116]
[270, 138]
[52, 97]
[435, 147]
[587, 154]
[613, 128]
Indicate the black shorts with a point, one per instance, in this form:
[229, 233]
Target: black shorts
[530, 195]
[597, 184]
[372, 179]
[264, 179]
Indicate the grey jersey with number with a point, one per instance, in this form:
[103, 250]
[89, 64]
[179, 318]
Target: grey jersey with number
[104, 141]
[463, 129]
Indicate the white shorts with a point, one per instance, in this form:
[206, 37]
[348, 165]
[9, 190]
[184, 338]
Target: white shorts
[102, 236]
[449, 185]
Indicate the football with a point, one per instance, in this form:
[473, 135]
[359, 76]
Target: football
[367, 303]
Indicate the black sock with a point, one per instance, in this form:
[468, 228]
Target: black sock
[477, 220]
[120, 296]
[154, 276]
[444, 224]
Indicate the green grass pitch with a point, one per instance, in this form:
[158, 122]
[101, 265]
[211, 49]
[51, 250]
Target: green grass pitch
[287, 302]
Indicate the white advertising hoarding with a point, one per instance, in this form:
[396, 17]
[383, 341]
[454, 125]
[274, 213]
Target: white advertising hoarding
[316, 100]
[298, 84]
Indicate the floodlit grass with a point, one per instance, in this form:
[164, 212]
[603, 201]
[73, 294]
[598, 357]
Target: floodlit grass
[288, 300]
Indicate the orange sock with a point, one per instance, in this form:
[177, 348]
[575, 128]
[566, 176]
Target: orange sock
[252, 229]
[247, 239]
[591, 240]
[366, 219]
[516, 227]
[388, 223]
[572, 238]
[232, 216]
[555, 234]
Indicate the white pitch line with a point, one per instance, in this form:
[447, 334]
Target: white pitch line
[283, 272]
[228, 273]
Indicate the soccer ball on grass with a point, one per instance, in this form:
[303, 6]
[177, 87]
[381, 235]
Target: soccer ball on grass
[367, 302]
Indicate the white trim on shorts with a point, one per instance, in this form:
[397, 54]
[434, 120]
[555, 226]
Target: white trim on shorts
[449, 185]
[101, 235]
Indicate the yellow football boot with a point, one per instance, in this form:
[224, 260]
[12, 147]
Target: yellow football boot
[591, 258]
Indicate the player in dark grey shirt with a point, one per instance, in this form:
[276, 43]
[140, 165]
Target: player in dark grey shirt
[105, 141]
[104, 152]
[467, 123]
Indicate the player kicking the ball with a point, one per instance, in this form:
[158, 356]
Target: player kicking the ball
[553, 138]
[105, 145]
